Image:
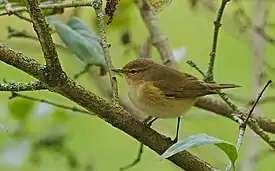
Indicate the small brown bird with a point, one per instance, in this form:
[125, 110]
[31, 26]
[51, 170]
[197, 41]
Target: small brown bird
[163, 92]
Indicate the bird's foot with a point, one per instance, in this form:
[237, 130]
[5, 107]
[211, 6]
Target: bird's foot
[175, 140]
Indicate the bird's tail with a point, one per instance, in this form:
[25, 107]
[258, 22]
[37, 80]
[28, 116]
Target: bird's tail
[222, 86]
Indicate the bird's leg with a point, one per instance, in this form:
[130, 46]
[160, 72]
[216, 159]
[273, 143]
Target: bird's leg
[177, 132]
[151, 122]
[148, 121]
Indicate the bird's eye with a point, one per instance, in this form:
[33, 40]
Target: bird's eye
[133, 71]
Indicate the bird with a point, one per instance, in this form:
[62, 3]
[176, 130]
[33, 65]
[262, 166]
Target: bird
[164, 92]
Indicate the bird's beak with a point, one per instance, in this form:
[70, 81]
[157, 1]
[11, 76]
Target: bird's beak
[118, 71]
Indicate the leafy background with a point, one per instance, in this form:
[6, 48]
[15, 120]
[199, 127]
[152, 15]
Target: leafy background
[97, 145]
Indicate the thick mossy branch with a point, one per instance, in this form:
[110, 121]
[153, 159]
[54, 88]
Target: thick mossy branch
[113, 114]
[21, 62]
[17, 86]
[42, 30]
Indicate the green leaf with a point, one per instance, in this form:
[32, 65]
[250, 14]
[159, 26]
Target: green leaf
[20, 108]
[76, 24]
[80, 40]
[199, 140]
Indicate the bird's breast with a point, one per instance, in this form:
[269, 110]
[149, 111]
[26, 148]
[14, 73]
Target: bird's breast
[150, 100]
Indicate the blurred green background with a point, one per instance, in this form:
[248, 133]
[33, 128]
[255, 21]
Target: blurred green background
[95, 144]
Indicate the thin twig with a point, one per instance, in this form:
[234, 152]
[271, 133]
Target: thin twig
[97, 5]
[239, 141]
[217, 25]
[244, 123]
[229, 102]
[194, 65]
[256, 102]
[74, 109]
[220, 108]
[223, 95]
[72, 4]
[22, 17]
[18, 86]
[258, 44]
[12, 32]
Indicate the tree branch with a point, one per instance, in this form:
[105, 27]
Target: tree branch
[21, 62]
[113, 114]
[257, 48]
[17, 86]
[253, 122]
[237, 112]
[244, 123]
[157, 37]
[74, 109]
[72, 4]
[219, 107]
[217, 25]
[42, 30]
[97, 5]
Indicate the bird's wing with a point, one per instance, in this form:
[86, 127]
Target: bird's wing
[188, 87]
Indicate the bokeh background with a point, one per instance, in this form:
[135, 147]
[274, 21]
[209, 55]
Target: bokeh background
[83, 142]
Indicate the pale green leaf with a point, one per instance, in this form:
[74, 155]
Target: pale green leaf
[199, 140]
[80, 40]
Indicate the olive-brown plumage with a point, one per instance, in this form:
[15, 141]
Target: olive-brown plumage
[161, 91]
